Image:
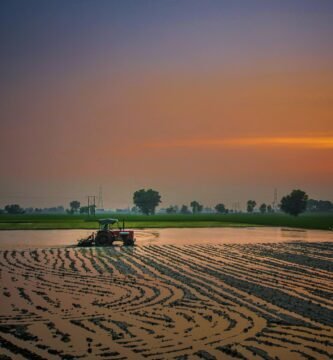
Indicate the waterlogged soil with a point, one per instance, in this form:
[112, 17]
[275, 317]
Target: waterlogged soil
[23, 239]
[170, 297]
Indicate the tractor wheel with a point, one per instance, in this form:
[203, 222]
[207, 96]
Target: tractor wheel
[128, 242]
[102, 240]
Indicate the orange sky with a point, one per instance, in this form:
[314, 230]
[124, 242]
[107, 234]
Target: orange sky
[267, 142]
[163, 107]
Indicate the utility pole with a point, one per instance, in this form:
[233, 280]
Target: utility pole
[100, 198]
[92, 205]
[275, 200]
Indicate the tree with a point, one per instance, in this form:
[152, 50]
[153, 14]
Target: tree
[147, 200]
[263, 208]
[270, 209]
[251, 204]
[135, 209]
[14, 209]
[196, 207]
[294, 203]
[324, 205]
[172, 209]
[84, 210]
[319, 205]
[220, 208]
[74, 206]
[184, 210]
[92, 209]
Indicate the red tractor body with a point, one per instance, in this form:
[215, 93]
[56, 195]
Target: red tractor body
[106, 236]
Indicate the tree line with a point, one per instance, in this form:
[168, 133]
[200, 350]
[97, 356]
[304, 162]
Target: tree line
[146, 202]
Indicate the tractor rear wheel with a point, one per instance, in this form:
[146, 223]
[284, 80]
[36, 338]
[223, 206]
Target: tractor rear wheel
[102, 240]
[128, 242]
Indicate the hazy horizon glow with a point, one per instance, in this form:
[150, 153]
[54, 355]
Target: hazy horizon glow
[299, 142]
[208, 100]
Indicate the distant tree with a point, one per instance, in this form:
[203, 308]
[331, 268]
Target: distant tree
[325, 205]
[263, 208]
[147, 200]
[84, 210]
[196, 207]
[173, 209]
[74, 206]
[270, 209]
[92, 209]
[294, 203]
[251, 204]
[135, 209]
[185, 210]
[312, 205]
[319, 205]
[14, 209]
[2, 211]
[220, 208]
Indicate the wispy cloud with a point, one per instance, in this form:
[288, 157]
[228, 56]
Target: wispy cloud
[322, 142]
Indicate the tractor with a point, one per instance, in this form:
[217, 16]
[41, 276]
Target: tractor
[106, 235]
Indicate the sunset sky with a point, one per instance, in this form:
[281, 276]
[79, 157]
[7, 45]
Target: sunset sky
[212, 100]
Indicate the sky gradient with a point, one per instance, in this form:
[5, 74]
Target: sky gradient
[218, 101]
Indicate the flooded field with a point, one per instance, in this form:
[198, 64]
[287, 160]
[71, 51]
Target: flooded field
[24, 239]
[170, 297]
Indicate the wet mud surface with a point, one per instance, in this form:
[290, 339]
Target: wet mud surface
[200, 301]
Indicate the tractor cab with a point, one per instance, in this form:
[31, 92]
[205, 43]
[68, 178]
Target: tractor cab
[107, 234]
[104, 224]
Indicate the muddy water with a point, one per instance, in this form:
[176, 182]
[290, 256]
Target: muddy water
[52, 238]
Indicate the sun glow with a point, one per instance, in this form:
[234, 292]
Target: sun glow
[325, 142]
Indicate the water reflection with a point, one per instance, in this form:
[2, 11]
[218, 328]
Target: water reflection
[52, 238]
[294, 234]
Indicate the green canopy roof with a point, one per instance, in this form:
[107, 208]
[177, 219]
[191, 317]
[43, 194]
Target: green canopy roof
[107, 221]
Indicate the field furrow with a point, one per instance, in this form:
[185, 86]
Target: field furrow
[264, 301]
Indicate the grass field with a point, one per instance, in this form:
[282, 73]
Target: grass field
[323, 221]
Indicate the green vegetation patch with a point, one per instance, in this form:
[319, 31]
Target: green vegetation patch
[323, 221]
